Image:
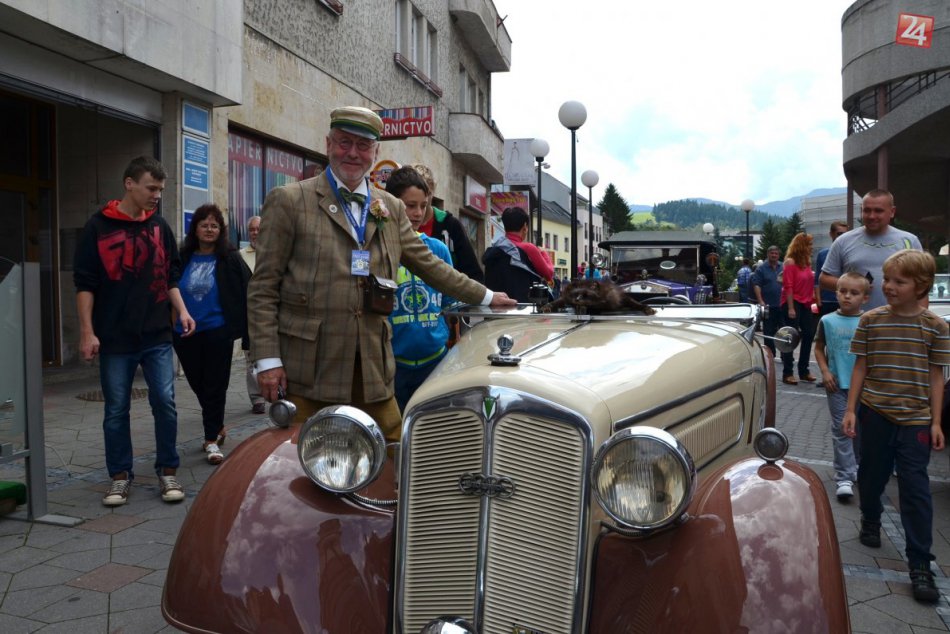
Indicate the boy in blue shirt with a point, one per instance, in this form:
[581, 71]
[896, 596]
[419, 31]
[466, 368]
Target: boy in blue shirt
[833, 354]
[420, 332]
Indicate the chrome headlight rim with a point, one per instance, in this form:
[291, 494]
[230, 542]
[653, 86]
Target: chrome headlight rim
[770, 444]
[670, 444]
[362, 423]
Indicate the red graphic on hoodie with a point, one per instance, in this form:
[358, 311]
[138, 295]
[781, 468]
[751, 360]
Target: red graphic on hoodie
[129, 253]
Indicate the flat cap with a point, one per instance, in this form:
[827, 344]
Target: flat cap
[359, 121]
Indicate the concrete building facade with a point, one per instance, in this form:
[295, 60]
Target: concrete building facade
[896, 93]
[818, 212]
[233, 96]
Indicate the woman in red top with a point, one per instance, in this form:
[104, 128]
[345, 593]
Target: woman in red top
[798, 292]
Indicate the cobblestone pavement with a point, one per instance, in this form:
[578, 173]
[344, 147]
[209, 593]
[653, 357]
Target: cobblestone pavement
[106, 573]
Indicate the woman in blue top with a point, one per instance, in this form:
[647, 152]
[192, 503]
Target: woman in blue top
[214, 288]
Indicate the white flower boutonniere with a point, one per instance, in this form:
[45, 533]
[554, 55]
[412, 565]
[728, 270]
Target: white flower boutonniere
[379, 212]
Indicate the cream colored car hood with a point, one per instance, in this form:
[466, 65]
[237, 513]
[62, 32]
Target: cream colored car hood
[625, 366]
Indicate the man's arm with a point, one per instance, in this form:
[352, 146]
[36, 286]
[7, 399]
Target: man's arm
[88, 341]
[178, 304]
[827, 282]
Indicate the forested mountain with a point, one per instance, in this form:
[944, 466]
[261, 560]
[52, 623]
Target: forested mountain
[692, 214]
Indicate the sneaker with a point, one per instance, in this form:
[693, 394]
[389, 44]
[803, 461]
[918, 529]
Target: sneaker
[845, 492]
[171, 490]
[118, 494]
[870, 534]
[922, 584]
[213, 452]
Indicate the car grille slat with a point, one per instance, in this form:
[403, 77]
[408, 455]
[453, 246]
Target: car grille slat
[532, 564]
[441, 524]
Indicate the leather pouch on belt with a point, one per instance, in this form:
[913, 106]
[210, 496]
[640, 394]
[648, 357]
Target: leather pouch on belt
[379, 295]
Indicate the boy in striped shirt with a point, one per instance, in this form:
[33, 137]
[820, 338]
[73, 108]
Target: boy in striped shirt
[898, 378]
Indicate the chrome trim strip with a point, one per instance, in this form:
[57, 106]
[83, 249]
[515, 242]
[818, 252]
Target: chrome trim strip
[507, 402]
[659, 409]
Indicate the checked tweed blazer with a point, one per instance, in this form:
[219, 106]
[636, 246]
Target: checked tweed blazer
[304, 305]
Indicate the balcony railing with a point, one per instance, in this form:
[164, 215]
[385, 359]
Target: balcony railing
[863, 111]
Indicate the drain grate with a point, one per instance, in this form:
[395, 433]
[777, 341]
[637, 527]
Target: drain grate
[96, 395]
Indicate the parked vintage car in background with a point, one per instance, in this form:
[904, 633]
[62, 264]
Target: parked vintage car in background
[676, 264]
[558, 473]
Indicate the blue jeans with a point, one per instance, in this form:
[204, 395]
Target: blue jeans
[884, 444]
[846, 464]
[770, 326]
[803, 322]
[116, 372]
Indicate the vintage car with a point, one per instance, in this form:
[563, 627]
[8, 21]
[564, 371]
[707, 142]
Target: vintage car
[558, 473]
[680, 265]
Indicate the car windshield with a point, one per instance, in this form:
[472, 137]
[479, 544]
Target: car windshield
[676, 264]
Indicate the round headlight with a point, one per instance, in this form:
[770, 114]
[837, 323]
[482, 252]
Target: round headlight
[643, 477]
[770, 444]
[341, 448]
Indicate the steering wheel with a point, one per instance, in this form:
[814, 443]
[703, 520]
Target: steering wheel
[667, 299]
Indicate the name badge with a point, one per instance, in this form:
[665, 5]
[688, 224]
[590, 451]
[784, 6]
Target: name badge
[359, 262]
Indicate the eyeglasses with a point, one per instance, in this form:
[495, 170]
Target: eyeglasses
[345, 144]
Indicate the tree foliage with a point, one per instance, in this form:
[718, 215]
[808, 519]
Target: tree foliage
[615, 211]
[772, 233]
[692, 214]
[793, 226]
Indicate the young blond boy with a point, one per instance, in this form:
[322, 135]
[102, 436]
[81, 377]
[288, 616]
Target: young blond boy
[898, 380]
[833, 354]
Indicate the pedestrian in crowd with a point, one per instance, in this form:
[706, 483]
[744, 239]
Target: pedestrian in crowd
[767, 285]
[420, 332]
[214, 288]
[896, 396]
[249, 255]
[512, 264]
[827, 300]
[442, 225]
[744, 280]
[316, 314]
[833, 354]
[865, 248]
[126, 273]
[798, 291]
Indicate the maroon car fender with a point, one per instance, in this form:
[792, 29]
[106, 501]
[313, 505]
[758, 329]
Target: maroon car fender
[758, 553]
[263, 549]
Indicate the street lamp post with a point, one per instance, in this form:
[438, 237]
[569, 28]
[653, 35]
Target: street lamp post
[572, 115]
[747, 206]
[590, 178]
[539, 149]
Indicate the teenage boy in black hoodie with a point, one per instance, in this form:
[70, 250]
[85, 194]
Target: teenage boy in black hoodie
[126, 273]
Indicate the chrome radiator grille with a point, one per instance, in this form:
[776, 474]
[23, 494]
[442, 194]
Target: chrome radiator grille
[441, 541]
[500, 562]
[533, 538]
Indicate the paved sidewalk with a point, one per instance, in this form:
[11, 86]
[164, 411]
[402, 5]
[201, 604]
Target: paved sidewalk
[106, 574]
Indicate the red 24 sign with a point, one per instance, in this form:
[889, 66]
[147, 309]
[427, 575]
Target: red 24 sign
[914, 30]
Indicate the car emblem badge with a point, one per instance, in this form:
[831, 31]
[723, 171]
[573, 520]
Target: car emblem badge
[501, 487]
[488, 406]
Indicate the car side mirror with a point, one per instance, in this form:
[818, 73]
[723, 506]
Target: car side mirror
[786, 338]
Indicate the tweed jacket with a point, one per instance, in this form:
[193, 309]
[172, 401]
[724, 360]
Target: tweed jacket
[304, 305]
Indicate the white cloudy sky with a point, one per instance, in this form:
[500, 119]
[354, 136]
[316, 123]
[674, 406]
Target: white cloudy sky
[685, 98]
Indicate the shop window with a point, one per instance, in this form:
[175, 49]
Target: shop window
[255, 167]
